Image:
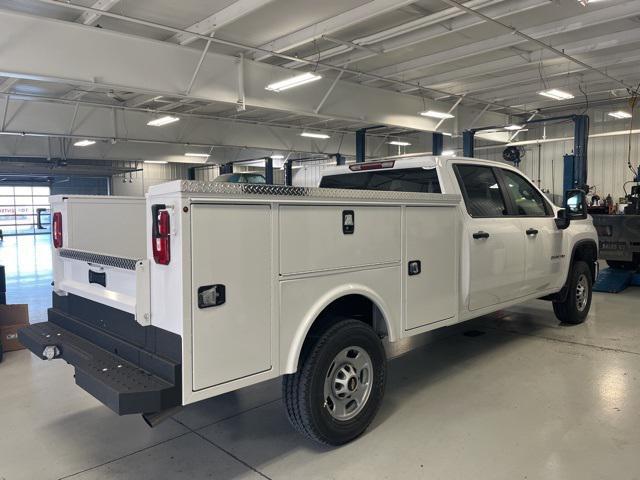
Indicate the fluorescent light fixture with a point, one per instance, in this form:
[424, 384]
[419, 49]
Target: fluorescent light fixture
[556, 94]
[156, 161]
[84, 143]
[159, 122]
[293, 82]
[513, 127]
[194, 154]
[314, 135]
[448, 153]
[399, 143]
[435, 114]
[620, 114]
[277, 157]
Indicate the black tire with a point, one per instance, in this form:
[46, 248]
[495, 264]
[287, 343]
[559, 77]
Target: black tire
[622, 265]
[571, 311]
[303, 391]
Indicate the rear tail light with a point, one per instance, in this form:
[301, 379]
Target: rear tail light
[57, 230]
[160, 235]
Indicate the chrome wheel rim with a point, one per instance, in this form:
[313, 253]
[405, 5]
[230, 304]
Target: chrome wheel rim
[348, 383]
[582, 293]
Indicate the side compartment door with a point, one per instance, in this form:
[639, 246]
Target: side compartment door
[231, 250]
[432, 268]
[494, 243]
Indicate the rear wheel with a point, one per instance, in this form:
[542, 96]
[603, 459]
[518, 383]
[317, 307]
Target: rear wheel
[339, 385]
[575, 308]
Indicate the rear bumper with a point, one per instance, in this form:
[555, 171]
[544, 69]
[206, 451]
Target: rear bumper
[138, 374]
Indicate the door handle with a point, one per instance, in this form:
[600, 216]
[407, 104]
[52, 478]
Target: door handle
[480, 234]
[532, 231]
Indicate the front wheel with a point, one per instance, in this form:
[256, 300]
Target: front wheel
[575, 308]
[339, 385]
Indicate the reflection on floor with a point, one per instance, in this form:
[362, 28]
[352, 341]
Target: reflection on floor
[27, 263]
[517, 396]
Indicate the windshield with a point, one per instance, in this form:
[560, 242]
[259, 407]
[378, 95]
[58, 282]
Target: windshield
[405, 180]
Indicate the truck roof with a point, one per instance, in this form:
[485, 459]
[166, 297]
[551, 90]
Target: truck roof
[414, 160]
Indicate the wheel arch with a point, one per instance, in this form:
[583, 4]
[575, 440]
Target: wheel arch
[584, 250]
[355, 301]
[587, 251]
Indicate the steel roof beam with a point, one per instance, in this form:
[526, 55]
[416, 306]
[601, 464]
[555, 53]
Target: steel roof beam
[423, 29]
[64, 52]
[89, 18]
[611, 40]
[579, 22]
[327, 27]
[227, 15]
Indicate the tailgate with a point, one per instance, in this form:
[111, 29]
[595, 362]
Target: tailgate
[101, 254]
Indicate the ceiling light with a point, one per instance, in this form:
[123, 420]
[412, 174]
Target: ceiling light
[620, 114]
[159, 122]
[435, 114]
[194, 154]
[448, 153]
[513, 127]
[156, 161]
[399, 143]
[314, 135]
[277, 157]
[84, 143]
[293, 82]
[556, 94]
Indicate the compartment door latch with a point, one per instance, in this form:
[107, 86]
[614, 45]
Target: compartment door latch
[211, 296]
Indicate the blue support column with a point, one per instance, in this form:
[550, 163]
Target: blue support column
[580, 146]
[468, 143]
[268, 170]
[340, 160]
[361, 144]
[288, 172]
[191, 173]
[226, 168]
[438, 143]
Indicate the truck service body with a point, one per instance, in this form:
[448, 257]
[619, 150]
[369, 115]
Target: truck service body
[203, 288]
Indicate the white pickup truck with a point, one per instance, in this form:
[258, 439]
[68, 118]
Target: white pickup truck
[204, 288]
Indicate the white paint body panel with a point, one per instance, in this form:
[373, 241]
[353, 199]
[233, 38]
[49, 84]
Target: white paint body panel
[283, 259]
[109, 226]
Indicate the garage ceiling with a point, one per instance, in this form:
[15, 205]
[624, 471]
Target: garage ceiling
[101, 69]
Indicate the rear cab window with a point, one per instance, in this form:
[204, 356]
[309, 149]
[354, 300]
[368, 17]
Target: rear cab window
[419, 180]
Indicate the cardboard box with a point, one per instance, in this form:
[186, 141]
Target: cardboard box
[12, 318]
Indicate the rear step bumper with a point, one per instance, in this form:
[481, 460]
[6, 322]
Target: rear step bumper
[128, 367]
[121, 385]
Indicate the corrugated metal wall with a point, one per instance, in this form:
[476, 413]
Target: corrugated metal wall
[607, 158]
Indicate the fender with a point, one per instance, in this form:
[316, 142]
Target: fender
[318, 307]
[562, 294]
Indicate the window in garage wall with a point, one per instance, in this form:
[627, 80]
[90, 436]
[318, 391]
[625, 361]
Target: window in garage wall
[24, 210]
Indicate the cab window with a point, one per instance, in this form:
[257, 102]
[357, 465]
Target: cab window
[399, 180]
[481, 190]
[527, 200]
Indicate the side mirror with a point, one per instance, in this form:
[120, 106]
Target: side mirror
[562, 220]
[575, 204]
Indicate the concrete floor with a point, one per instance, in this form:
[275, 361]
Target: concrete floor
[524, 399]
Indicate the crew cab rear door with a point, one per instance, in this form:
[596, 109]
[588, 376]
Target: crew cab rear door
[493, 243]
